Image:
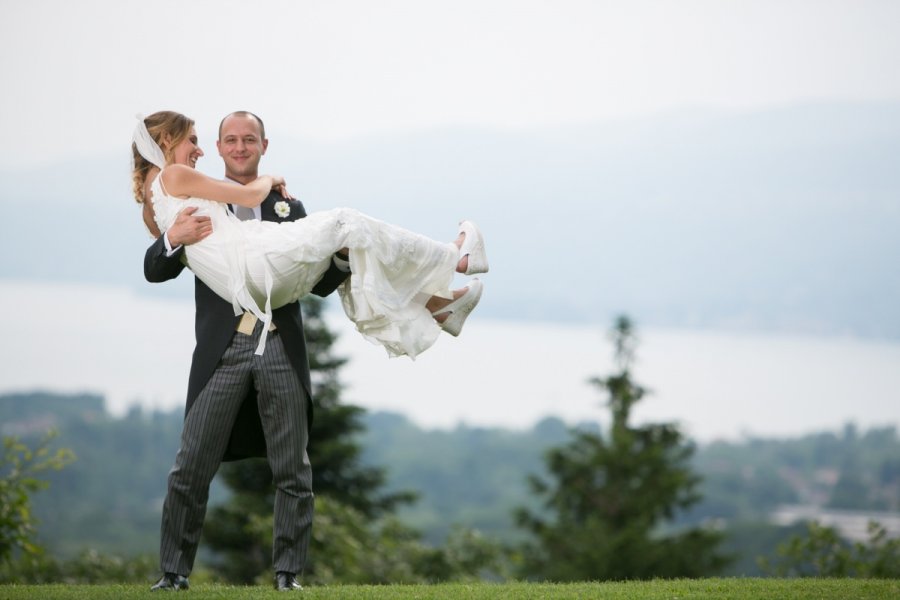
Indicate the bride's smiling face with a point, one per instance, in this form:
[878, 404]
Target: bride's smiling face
[187, 152]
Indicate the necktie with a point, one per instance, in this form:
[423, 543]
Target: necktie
[243, 213]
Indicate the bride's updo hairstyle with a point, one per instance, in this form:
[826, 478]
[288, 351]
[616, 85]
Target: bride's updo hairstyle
[168, 129]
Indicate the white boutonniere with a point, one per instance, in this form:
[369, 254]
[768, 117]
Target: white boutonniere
[282, 209]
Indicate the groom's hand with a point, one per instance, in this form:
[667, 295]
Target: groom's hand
[188, 229]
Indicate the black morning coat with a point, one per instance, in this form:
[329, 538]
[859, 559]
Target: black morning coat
[215, 324]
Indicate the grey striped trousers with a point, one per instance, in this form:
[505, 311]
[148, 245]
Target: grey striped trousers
[207, 427]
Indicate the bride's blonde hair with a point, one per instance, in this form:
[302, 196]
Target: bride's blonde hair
[168, 129]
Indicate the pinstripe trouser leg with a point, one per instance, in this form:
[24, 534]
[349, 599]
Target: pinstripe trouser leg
[207, 427]
[283, 412]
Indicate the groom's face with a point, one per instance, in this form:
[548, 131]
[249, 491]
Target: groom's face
[241, 145]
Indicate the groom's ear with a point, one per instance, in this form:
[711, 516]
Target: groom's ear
[265, 145]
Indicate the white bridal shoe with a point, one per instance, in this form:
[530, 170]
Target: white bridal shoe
[460, 308]
[473, 245]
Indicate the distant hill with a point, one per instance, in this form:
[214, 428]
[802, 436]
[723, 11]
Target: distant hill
[779, 220]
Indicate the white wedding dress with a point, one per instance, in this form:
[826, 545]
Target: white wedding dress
[261, 265]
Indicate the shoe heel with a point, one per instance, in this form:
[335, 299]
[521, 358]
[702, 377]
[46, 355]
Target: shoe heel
[461, 308]
[473, 246]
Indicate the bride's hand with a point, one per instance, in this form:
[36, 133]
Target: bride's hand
[280, 186]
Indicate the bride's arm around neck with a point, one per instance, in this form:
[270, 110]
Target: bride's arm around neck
[184, 182]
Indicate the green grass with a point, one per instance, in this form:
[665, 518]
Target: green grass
[682, 589]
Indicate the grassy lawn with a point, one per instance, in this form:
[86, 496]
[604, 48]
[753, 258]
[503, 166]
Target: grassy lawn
[683, 589]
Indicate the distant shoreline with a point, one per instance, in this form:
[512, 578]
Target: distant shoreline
[135, 349]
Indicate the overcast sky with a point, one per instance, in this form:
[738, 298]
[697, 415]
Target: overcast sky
[74, 74]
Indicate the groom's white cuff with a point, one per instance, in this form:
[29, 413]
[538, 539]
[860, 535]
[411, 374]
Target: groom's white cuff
[340, 263]
[169, 249]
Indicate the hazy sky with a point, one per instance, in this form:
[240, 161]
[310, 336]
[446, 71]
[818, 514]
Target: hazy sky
[75, 73]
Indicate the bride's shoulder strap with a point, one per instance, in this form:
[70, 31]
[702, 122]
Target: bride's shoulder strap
[176, 171]
[162, 186]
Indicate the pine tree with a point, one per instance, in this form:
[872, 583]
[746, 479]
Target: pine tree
[240, 530]
[334, 448]
[610, 497]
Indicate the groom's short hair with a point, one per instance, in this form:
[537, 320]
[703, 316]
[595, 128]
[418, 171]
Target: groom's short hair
[244, 113]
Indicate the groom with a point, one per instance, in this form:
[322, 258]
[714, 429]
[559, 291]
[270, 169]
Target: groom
[240, 405]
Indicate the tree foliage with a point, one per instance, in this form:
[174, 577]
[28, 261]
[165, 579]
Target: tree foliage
[822, 552]
[88, 567]
[607, 498]
[335, 449]
[20, 469]
[350, 548]
[109, 499]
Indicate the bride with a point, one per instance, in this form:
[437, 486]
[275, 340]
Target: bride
[398, 294]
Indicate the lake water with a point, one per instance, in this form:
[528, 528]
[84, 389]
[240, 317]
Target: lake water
[135, 349]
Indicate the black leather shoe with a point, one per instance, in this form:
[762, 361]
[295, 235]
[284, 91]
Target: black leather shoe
[170, 582]
[286, 582]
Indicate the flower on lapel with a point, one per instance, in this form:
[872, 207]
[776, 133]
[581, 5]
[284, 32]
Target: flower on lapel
[282, 209]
